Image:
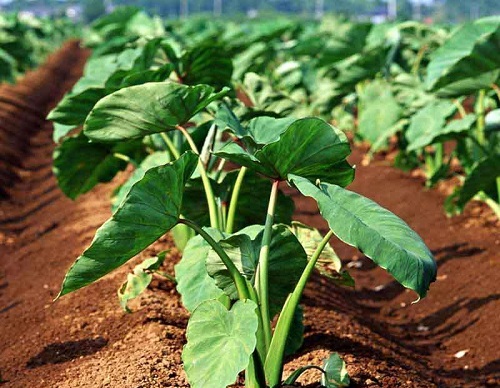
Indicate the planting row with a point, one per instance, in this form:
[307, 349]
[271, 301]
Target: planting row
[183, 105]
[25, 41]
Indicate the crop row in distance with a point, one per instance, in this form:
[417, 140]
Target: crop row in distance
[25, 41]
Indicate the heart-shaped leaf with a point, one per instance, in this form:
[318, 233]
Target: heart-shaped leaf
[193, 282]
[151, 208]
[141, 110]
[376, 232]
[287, 260]
[308, 147]
[219, 343]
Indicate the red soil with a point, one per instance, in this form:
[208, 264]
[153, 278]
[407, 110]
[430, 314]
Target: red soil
[85, 340]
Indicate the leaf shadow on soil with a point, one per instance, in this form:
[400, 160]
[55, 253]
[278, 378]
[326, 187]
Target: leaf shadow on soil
[66, 351]
[393, 289]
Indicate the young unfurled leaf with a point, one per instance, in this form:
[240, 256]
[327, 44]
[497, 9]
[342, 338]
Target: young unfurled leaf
[335, 375]
[139, 280]
[141, 110]
[375, 231]
[219, 343]
[308, 147]
[150, 209]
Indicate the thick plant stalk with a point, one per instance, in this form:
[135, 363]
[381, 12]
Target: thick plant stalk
[212, 206]
[234, 200]
[254, 374]
[263, 267]
[274, 360]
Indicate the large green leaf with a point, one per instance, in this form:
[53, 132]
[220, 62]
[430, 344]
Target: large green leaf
[428, 123]
[308, 147]
[79, 165]
[193, 282]
[265, 130]
[152, 207]
[219, 343]
[376, 232]
[141, 110]
[287, 260]
[468, 61]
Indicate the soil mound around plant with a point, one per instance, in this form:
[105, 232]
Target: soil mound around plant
[449, 339]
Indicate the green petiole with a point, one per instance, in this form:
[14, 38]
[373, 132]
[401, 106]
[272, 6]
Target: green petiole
[212, 206]
[262, 281]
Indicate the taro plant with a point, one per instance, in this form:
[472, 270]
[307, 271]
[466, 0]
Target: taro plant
[468, 65]
[237, 283]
